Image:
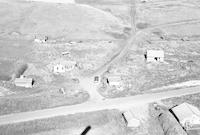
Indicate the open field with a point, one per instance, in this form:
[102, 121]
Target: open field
[62, 47]
[39, 100]
[6, 70]
[109, 122]
[178, 37]
[102, 122]
[29, 19]
[89, 34]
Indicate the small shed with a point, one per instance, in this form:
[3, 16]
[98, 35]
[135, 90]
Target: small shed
[40, 39]
[114, 80]
[24, 82]
[130, 119]
[187, 115]
[154, 56]
[96, 79]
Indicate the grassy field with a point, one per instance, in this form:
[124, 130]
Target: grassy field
[102, 122]
[38, 98]
[56, 21]
[108, 122]
[19, 24]
[170, 35]
[6, 70]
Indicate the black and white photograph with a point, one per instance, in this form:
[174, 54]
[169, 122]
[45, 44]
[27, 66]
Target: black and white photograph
[99, 67]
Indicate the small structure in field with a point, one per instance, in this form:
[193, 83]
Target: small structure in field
[115, 81]
[62, 91]
[154, 56]
[40, 39]
[130, 119]
[96, 79]
[187, 115]
[24, 82]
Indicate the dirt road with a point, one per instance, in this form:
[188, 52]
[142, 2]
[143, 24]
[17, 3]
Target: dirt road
[117, 103]
[87, 83]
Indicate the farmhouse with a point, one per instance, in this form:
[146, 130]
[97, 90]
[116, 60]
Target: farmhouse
[24, 82]
[154, 56]
[188, 115]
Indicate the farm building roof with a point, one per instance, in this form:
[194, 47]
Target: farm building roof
[155, 53]
[185, 111]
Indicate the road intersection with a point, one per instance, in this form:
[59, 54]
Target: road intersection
[90, 106]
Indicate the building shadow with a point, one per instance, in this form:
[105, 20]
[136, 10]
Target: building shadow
[86, 130]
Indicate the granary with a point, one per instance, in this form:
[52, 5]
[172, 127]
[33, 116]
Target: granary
[154, 56]
[24, 82]
[130, 119]
[187, 115]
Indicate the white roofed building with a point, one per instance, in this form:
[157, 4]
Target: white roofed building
[24, 82]
[130, 119]
[115, 81]
[154, 56]
[188, 115]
